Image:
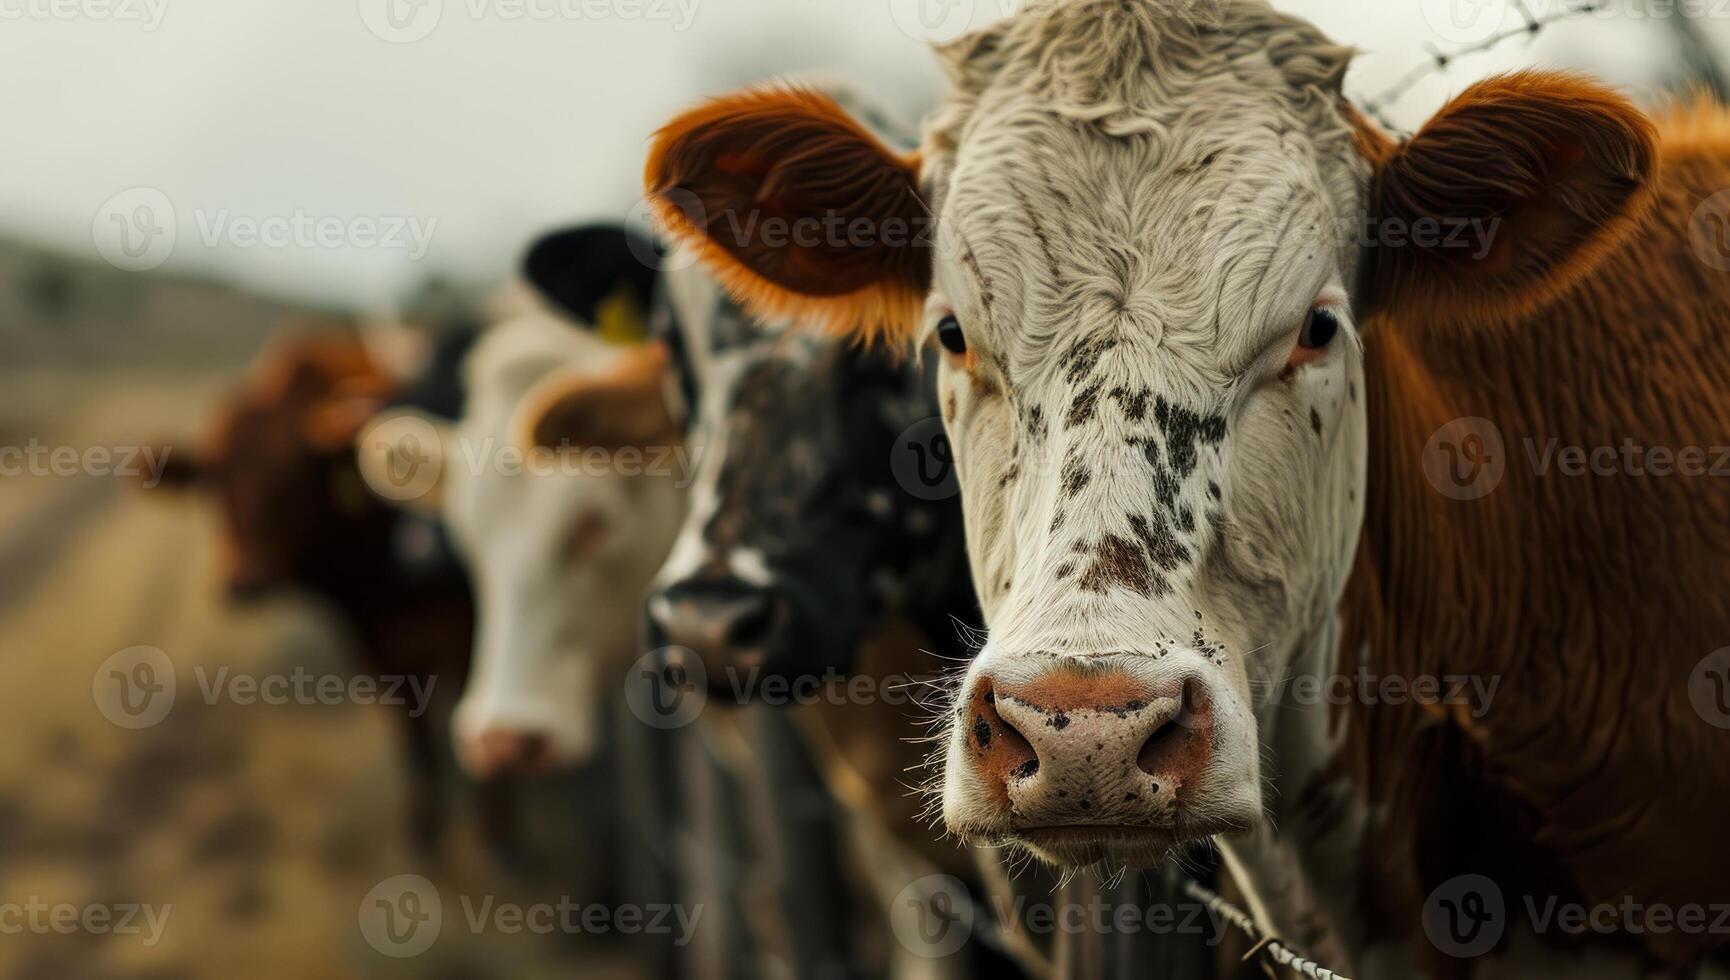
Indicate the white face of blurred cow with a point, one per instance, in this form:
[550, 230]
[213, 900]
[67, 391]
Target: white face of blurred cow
[559, 549]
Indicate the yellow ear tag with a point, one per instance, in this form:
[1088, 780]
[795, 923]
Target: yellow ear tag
[619, 320]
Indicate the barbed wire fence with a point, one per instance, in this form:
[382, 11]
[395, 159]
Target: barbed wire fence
[1701, 66]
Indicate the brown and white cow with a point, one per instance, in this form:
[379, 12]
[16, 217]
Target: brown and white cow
[1190, 399]
[281, 467]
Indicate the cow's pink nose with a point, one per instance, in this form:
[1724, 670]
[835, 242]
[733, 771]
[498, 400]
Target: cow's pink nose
[501, 750]
[1080, 748]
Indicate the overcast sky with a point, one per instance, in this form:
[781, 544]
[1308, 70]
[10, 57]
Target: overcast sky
[342, 150]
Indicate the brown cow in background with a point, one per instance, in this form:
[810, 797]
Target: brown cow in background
[297, 515]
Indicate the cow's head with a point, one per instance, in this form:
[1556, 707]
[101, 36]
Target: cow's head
[559, 536]
[798, 533]
[1148, 270]
[281, 465]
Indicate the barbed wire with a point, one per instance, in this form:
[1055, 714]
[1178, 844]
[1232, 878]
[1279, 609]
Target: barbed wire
[1278, 952]
[1440, 60]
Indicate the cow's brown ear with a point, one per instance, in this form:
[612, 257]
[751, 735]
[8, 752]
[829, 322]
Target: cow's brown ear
[625, 407]
[1507, 197]
[798, 209]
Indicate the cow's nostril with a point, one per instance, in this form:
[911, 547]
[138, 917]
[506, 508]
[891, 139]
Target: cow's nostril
[755, 620]
[1178, 750]
[1001, 752]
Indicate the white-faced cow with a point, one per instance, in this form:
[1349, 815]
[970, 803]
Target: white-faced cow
[560, 533]
[1201, 319]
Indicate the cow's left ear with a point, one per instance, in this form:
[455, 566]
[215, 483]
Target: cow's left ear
[797, 208]
[1506, 198]
[626, 406]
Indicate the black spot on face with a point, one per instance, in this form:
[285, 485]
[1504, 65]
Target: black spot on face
[1076, 475]
[1185, 431]
[1081, 358]
[1315, 422]
[981, 731]
[1133, 403]
[1084, 407]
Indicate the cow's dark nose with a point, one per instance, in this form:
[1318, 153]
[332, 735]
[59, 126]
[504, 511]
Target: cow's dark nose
[1071, 749]
[501, 750]
[725, 622]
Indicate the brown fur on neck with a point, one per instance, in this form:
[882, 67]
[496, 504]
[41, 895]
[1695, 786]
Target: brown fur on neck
[1591, 597]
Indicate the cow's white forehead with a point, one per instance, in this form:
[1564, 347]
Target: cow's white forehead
[1184, 184]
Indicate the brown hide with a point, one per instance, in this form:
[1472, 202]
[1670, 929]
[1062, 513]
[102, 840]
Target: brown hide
[1591, 597]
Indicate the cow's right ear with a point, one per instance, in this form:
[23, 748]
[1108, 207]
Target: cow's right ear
[628, 406]
[798, 209]
[404, 457]
[1507, 198]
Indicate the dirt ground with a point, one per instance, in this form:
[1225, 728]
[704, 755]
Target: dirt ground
[251, 832]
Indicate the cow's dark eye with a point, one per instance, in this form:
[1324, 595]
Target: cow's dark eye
[1319, 329]
[950, 336]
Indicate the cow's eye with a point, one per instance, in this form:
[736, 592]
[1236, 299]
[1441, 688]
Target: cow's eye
[950, 336]
[1319, 329]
